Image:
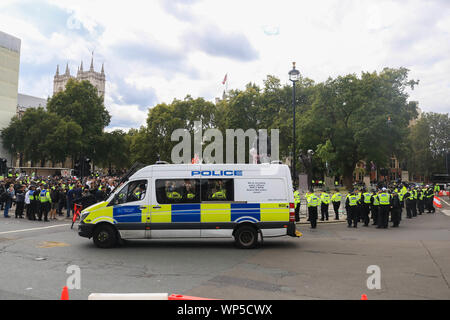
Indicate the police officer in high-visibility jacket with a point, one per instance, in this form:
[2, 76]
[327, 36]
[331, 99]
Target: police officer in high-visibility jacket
[45, 200]
[219, 194]
[307, 195]
[336, 200]
[313, 203]
[324, 203]
[414, 207]
[409, 197]
[421, 201]
[351, 204]
[429, 196]
[384, 199]
[436, 189]
[297, 205]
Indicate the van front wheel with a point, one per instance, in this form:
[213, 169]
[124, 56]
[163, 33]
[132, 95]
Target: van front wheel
[105, 236]
[246, 237]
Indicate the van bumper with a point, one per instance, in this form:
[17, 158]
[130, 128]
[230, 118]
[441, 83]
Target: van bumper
[85, 230]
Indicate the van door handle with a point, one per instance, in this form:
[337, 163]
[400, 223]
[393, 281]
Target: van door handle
[156, 207]
[142, 207]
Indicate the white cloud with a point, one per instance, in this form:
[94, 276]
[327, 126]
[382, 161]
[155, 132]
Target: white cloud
[170, 58]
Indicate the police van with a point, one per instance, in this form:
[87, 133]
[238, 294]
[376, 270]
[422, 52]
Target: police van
[240, 201]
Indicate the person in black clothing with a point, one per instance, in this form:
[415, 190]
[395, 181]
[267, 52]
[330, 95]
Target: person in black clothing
[20, 202]
[61, 200]
[87, 199]
[54, 195]
[396, 210]
[409, 199]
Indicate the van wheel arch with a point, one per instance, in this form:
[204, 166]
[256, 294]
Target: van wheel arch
[105, 235]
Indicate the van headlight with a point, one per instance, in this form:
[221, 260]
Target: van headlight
[84, 216]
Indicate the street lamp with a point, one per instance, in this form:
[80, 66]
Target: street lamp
[294, 76]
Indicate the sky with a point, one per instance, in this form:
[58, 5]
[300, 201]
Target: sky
[157, 50]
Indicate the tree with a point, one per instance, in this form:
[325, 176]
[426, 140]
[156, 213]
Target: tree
[163, 119]
[351, 115]
[41, 135]
[429, 141]
[80, 103]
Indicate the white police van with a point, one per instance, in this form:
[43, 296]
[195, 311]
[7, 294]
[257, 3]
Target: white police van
[196, 201]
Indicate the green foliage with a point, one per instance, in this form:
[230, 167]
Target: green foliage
[429, 141]
[351, 115]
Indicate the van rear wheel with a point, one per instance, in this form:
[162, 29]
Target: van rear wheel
[105, 236]
[246, 237]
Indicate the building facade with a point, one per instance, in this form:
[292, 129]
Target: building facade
[9, 82]
[97, 79]
[25, 102]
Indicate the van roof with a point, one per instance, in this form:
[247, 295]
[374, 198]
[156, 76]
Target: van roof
[264, 169]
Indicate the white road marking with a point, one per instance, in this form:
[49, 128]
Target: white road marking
[446, 212]
[33, 229]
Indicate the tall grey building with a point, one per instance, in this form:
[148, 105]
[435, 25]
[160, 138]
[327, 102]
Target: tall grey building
[9, 82]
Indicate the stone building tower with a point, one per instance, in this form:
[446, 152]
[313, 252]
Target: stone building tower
[97, 79]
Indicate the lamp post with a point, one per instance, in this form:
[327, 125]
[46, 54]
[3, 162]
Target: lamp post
[294, 76]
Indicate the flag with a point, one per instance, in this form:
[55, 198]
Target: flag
[225, 79]
[196, 159]
[437, 202]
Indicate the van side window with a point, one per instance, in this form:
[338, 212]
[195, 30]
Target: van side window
[170, 191]
[133, 191]
[217, 190]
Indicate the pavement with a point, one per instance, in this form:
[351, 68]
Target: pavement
[330, 262]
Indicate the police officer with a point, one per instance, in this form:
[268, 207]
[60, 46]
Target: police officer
[324, 203]
[336, 200]
[307, 195]
[351, 204]
[297, 205]
[421, 201]
[384, 199]
[409, 198]
[313, 203]
[436, 189]
[45, 199]
[366, 200]
[429, 195]
[171, 194]
[414, 207]
[189, 192]
[221, 193]
[359, 206]
[396, 209]
[374, 207]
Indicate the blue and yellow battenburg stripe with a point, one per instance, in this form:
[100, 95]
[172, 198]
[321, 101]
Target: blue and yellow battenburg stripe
[221, 212]
[193, 213]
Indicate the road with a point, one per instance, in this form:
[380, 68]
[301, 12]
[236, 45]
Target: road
[329, 262]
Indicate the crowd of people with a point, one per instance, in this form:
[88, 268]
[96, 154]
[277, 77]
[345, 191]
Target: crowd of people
[44, 198]
[381, 204]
